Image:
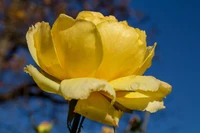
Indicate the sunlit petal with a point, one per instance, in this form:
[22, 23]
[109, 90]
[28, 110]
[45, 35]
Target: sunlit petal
[141, 92]
[147, 60]
[141, 84]
[134, 83]
[139, 101]
[43, 82]
[123, 51]
[42, 50]
[81, 88]
[154, 106]
[62, 23]
[95, 17]
[79, 48]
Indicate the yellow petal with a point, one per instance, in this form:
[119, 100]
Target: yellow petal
[144, 84]
[139, 101]
[80, 88]
[95, 17]
[125, 23]
[135, 83]
[141, 92]
[31, 43]
[62, 23]
[43, 82]
[85, 14]
[147, 60]
[79, 48]
[162, 92]
[154, 106]
[142, 36]
[41, 48]
[96, 107]
[123, 51]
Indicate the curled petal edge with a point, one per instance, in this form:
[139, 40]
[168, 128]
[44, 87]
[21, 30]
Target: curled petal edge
[43, 82]
[77, 88]
[147, 60]
[81, 88]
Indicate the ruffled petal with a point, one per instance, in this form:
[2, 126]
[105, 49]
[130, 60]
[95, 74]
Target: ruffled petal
[147, 60]
[31, 43]
[79, 48]
[95, 17]
[141, 92]
[42, 50]
[43, 82]
[96, 107]
[81, 88]
[123, 51]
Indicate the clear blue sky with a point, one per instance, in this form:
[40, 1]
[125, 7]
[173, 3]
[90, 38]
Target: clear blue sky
[178, 40]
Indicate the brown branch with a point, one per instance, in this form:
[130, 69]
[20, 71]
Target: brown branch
[19, 91]
[25, 88]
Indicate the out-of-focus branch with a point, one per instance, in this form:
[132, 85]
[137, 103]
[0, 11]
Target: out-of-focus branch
[145, 122]
[19, 91]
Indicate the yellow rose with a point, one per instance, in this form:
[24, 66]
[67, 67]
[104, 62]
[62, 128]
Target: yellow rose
[98, 61]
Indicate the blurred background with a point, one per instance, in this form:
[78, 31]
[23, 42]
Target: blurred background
[174, 25]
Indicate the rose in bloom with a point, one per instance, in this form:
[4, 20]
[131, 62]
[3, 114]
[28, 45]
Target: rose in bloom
[98, 61]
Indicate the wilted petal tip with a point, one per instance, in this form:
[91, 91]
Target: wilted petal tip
[154, 106]
[28, 69]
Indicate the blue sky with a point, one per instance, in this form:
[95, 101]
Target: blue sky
[178, 23]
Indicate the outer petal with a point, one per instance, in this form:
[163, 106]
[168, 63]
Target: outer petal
[79, 48]
[142, 35]
[123, 50]
[62, 23]
[81, 88]
[147, 60]
[86, 14]
[95, 17]
[144, 84]
[43, 82]
[141, 92]
[96, 107]
[41, 48]
[139, 101]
